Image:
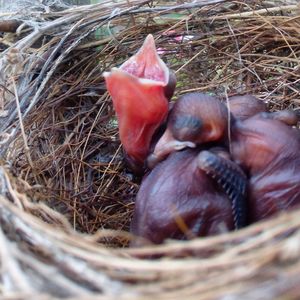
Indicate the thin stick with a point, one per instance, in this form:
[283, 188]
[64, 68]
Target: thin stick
[253, 13]
[190, 60]
[27, 150]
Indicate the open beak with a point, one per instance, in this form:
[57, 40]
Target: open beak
[166, 145]
[138, 91]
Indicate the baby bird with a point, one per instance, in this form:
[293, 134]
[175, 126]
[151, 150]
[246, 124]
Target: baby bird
[140, 89]
[268, 148]
[190, 194]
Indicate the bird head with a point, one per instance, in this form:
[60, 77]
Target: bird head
[194, 120]
[140, 89]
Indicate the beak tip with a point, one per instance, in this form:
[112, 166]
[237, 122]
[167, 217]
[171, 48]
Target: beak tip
[113, 70]
[149, 45]
[106, 74]
[149, 39]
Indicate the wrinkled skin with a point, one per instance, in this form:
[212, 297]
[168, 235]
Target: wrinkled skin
[263, 143]
[246, 106]
[195, 119]
[178, 200]
[268, 150]
[192, 192]
[198, 118]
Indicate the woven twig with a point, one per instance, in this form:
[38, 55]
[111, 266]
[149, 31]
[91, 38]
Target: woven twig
[66, 196]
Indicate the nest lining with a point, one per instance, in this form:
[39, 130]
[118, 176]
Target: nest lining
[62, 161]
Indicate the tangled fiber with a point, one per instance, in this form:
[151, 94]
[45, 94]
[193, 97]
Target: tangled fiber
[66, 197]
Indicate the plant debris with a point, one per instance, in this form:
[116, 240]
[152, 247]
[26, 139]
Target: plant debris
[66, 196]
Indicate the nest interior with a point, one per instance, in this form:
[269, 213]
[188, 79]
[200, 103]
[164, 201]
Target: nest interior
[66, 196]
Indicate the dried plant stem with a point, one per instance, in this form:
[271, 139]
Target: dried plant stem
[26, 148]
[257, 12]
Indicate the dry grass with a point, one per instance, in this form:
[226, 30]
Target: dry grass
[62, 161]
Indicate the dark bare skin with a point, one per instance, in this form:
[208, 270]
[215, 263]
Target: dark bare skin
[203, 186]
[264, 144]
[180, 200]
[198, 119]
[246, 106]
[195, 119]
[195, 192]
[268, 148]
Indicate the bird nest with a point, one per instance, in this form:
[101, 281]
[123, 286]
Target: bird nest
[66, 196]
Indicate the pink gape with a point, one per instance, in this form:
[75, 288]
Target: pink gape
[140, 90]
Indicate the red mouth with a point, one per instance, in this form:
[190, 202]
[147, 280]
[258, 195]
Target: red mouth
[138, 91]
